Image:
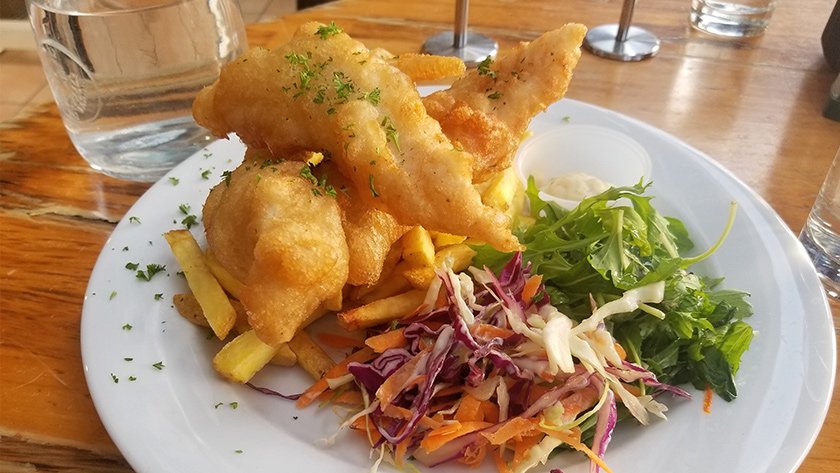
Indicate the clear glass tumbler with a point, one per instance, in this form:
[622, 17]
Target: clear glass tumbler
[821, 233]
[733, 18]
[124, 74]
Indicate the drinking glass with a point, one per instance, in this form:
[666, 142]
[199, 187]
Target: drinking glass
[821, 233]
[124, 74]
[734, 18]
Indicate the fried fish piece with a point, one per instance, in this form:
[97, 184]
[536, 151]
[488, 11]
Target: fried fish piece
[270, 230]
[324, 91]
[488, 110]
[370, 232]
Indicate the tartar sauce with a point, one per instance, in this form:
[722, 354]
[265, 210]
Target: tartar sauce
[575, 186]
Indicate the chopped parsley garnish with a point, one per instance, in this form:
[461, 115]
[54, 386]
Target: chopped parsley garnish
[132, 378]
[206, 174]
[373, 189]
[189, 221]
[158, 365]
[391, 133]
[495, 96]
[113, 295]
[372, 96]
[114, 377]
[174, 181]
[128, 359]
[343, 86]
[328, 30]
[320, 187]
[226, 175]
[127, 327]
[133, 219]
[151, 270]
[218, 404]
[484, 68]
[269, 162]
[131, 266]
[234, 404]
[184, 208]
[158, 296]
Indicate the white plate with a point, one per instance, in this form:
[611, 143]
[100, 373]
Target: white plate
[179, 419]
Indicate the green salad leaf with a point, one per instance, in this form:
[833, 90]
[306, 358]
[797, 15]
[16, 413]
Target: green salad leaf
[616, 241]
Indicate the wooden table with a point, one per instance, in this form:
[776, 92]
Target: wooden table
[753, 105]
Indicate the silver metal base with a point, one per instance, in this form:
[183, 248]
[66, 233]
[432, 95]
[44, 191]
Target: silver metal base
[476, 47]
[603, 41]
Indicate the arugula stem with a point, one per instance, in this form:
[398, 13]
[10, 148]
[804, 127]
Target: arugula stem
[652, 311]
[733, 207]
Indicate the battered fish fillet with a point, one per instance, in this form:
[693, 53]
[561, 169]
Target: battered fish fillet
[323, 92]
[269, 229]
[370, 232]
[488, 110]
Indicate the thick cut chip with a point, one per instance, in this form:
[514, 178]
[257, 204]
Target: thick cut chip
[211, 297]
[310, 356]
[243, 356]
[381, 311]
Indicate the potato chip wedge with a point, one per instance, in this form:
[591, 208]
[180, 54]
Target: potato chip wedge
[284, 357]
[214, 301]
[242, 357]
[310, 356]
[230, 284]
[445, 239]
[381, 311]
[418, 247]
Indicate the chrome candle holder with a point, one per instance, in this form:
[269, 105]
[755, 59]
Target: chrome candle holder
[472, 48]
[622, 42]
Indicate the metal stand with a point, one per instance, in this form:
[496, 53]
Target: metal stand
[472, 48]
[622, 42]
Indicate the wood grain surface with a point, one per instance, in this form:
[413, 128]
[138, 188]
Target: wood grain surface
[753, 105]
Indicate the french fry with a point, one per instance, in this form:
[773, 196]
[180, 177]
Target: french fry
[418, 248]
[424, 67]
[284, 357]
[190, 309]
[230, 284]
[310, 356]
[381, 311]
[214, 301]
[461, 256]
[445, 239]
[421, 277]
[243, 356]
[505, 192]
[241, 325]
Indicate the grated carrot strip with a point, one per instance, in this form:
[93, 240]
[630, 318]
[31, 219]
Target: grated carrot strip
[339, 369]
[439, 437]
[532, 285]
[469, 410]
[386, 340]
[707, 399]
